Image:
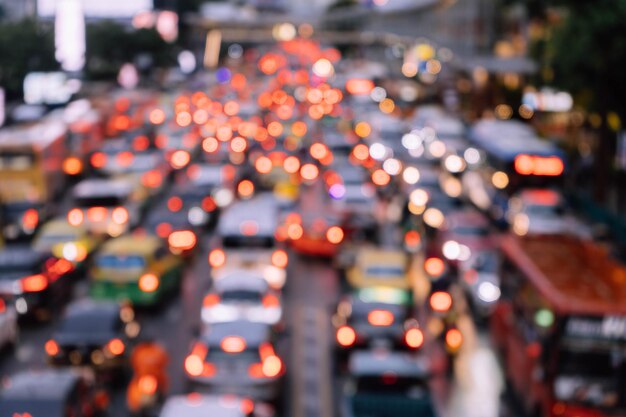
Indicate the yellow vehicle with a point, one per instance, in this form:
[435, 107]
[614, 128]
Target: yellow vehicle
[139, 269]
[63, 240]
[31, 174]
[379, 267]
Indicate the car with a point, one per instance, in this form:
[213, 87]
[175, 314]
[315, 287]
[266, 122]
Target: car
[92, 333]
[316, 234]
[377, 315]
[236, 357]
[216, 180]
[201, 405]
[9, 330]
[35, 283]
[107, 206]
[374, 266]
[242, 295]
[53, 393]
[63, 240]
[382, 382]
[137, 268]
[464, 232]
[543, 211]
[480, 277]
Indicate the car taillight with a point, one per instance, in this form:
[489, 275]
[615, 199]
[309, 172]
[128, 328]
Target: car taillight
[270, 300]
[380, 318]
[152, 179]
[96, 214]
[434, 267]
[346, 336]
[3, 306]
[210, 300]
[116, 347]
[148, 283]
[217, 258]
[414, 338]
[75, 217]
[233, 344]
[454, 339]
[256, 370]
[120, 215]
[30, 219]
[440, 301]
[98, 160]
[72, 166]
[334, 234]
[34, 283]
[272, 366]
[148, 384]
[280, 259]
[52, 348]
[194, 365]
[182, 240]
[247, 406]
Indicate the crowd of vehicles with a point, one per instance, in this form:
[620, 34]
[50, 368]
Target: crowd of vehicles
[263, 166]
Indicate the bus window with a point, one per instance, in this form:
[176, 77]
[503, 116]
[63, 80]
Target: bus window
[16, 161]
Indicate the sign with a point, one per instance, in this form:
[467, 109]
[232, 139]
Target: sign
[98, 8]
[548, 100]
[607, 328]
[49, 88]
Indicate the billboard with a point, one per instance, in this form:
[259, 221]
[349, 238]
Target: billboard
[121, 9]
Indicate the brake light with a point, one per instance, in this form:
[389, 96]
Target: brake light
[182, 240]
[454, 339]
[380, 317]
[3, 306]
[270, 300]
[194, 365]
[75, 217]
[51, 347]
[141, 143]
[208, 204]
[272, 366]
[412, 238]
[247, 406]
[211, 300]
[217, 258]
[72, 166]
[34, 283]
[124, 159]
[116, 347]
[295, 231]
[148, 283]
[414, 338]
[280, 259]
[30, 219]
[346, 336]
[120, 215]
[163, 230]
[334, 234]
[233, 344]
[180, 159]
[175, 204]
[440, 301]
[98, 160]
[434, 267]
[152, 179]
[256, 370]
[96, 214]
[245, 188]
[148, 384]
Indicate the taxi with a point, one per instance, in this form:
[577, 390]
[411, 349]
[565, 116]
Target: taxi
[379, 267]
[140, 269]
[65, 241]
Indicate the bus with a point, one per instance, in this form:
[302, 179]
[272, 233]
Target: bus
[506, 156]
[560, 326]
[31, 175]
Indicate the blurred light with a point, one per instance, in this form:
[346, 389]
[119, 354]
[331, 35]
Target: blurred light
[471, 155]
[305, 30]
[180, 159]
[378, 151]
[69, 29]
[359, 86]
[187, 62]
[488, 292]
[392, 166]
[167, 25]
[346, 336]
[337, 191]
[148, 283]
[411, 175]
[291, 164]
[72, 166]
[451, 250]
[500, 180]
[452, 186]
[380, 177]
[217, 258]
[409, 69]
[378, 94]
[454, 164]
[128, 76]
[503, 111]
[263, 165]
[212, 48]
[284, 32]
[454, 339]
[434, 217]
[334, 234]
[437, 148]
[411, 141]
[387, 105]
[235, 51]
[380, 317]
[362, 129]
[434, 267]
[223, 197]
[440, 301]
[418, 197]
[245, 189]
[309, 172]
[414, 338]
[323, 68]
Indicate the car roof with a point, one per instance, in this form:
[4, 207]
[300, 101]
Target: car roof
[241, 280]
[196, 405]
[50, 384]
[253, 333]
[129, 244]
[376, 363]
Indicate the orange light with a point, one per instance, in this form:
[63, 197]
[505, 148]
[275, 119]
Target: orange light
[148, 283]
[182, 240]
[361, 152]
[183, 119]
[245, 188]
[309, 172]
[157, 116]
[116, 347]
[295, 231]
[334, 234]
[291, 164]
[414, 338]
[263, 165]
[412, 238]
[208, 204]
[96, 214]
[359, 86]
[256, 370]
[124, 159]
[200, 116]
[380, 317]
[210, 300]
[120, 215]
[454, 339]
[434, 267]
[98, 159]
[180, 159]
[233, 344]
[238, 144]
[210, 145]
[194, 365]
[163, 230]
[75, 217]
[175, 204]
[270, 300]
[141, 143]
[152, 179]
[147, 384]
[272, 366]
[318, 150]
[275, 129]
[299, 128]
[217, 258]
[280, 259]
[30, 219]
[34, 283]
[380, 177]
[52, 348]
[440, 301]
[346, 336]
[238, 81]
[247, 406]
[224, 133]
[72, 166]
[538, 165]
[559, 408]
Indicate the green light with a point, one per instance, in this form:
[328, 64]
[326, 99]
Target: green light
[544, 317]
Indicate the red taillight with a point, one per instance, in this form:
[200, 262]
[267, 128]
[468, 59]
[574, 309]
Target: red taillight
[380, 317]
[256, 370]
[124, 159]
[280, 259]
[208, 204]
[98, 160]
[163, 230]
[120, 215]
[270, 300]
[75, 217]
[454, 339]
[334, 234]
[34, 283]
[414, 338]
[194, 365]
[116, 347]
[434, 267]
[272, 366]
[30, 219]
[247, 406]
[211, 300]
[52, 348]
[147, 384]
[346, 336]
[217, 258]
[233, 344]
[182, 240]
[3, 306]
[96, 214]
[152, 179]
[72, 166]
[441, 301]
[148, 283]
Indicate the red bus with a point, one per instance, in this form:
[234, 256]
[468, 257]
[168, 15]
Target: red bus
[561, 326]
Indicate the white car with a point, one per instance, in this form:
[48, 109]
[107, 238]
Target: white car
[197, 405]
[242, 296]
[8, 325]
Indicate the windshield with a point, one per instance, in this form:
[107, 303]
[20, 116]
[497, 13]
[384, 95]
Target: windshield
[540, 210]
[105, 201]
[121, 262]
[16, 161]
[89, 323]
[241, 295]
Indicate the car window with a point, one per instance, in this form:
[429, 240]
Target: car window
[120, 262]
